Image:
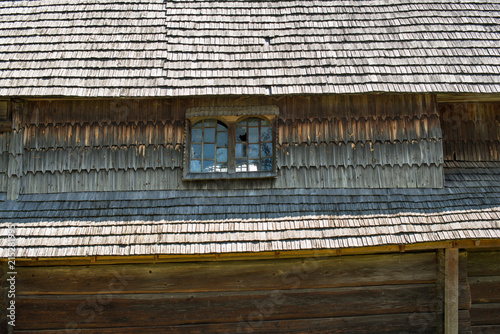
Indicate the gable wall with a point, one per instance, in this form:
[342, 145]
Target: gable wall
[345, 141]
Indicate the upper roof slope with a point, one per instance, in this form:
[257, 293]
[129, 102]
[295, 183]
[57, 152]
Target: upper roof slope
[195, 47]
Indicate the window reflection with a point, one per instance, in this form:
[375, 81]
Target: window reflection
[254, 148]
[209, 144]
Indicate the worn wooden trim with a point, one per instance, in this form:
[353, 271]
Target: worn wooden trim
[271, 110]
[468, 97]
[451, 291]
[470, 245]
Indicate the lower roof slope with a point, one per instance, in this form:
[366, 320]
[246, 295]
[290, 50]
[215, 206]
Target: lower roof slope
[160, 48]
[186, 222]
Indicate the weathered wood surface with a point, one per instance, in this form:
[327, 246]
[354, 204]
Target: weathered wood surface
[485, 314]
[368, 141]
[421, 322]
[484, 278]
[485, 289]
[493, 329]
[471, 131]
[483, 263]
[46, 312]
[307, 273]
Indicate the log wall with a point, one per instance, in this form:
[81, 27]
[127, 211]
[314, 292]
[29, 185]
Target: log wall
[471, 131]
[484, 279]
[370, 141]
[391, 293]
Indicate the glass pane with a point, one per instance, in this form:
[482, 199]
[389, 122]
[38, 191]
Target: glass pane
[198, 125]
[222, 155]
[241, 165]
[266, 133]
[253, 135]
[253, 122]
[267, 164]
[267, 150]
[196, 166]
[221, 126]
[241, 150]
[242, 123]
[209, 135]
[196, 135]
[253, 165]
[241, 134]
[195, 151]
[221, 139]
[208, 151]
[253, 151]
[208, 166]
[209, 123]
[221, 167]
[264, 122]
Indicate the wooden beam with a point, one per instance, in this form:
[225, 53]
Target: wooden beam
[451, 291]
[470, 245]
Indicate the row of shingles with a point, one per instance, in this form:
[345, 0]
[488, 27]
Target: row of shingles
[224, 235]
[268, 81]
[70, 39]
[412, 141]
[93, 147]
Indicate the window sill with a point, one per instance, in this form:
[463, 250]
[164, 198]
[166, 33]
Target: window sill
[228, 176]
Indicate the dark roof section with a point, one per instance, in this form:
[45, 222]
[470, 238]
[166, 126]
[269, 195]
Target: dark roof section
[187, 222]
[162, 48]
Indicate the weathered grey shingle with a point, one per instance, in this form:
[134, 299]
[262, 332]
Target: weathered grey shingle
[185, 48]
[214, 221]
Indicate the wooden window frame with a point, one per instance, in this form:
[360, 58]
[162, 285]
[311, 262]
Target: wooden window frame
[231, 122]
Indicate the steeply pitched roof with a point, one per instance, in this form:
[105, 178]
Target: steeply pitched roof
[194, 48]
[187, 222]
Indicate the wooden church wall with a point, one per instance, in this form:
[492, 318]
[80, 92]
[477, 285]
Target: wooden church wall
[358, 141]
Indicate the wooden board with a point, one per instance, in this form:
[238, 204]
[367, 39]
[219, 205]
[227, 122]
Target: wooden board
[485, 289]
[231, 275]
[484, 263]
[382, 324]
[485, 314]
[48, 312]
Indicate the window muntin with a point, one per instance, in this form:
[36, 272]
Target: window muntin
[209, 146]
[254, 146]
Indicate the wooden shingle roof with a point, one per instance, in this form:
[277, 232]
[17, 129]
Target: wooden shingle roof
[202, 222]
[194, 48]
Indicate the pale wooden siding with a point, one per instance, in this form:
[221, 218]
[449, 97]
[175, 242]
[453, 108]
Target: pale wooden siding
[471, 131]
[389, 293]
[386, 141]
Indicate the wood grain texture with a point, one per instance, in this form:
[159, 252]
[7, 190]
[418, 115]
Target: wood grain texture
[483, 263]
[45, 312]
[421, 322]
[231, 276]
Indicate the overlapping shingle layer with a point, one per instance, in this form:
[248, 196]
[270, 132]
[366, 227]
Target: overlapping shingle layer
[195, 48]
[200, 222]
[82, 48]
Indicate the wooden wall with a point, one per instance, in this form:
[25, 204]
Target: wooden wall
[484, 279]
[391, 293]
[471, 131]
[371, 141]
[4, 160]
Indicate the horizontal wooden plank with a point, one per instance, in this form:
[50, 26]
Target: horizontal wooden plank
[48, 312]
[422, 322]
[485, 314]
[231, 275]
[483, 263]
[494, 329]
[485, 289]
